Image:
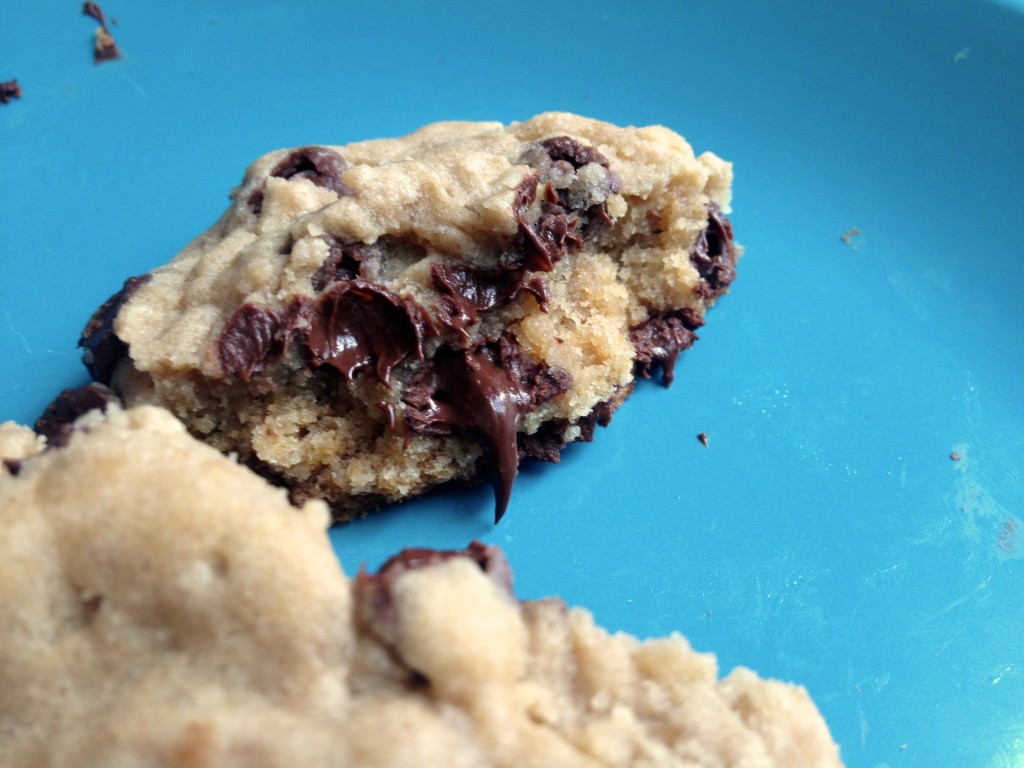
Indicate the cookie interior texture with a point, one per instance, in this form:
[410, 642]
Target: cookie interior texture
[162, 605]
[367, 321]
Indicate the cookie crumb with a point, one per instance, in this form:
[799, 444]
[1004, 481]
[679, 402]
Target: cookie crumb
[9, 90]
[955, 456]
[961, 55]
[105, 48]
[703, 439]
[848, 235]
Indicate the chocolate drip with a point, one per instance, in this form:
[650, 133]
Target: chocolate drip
[482, 393]
[56, 423]
[320, 165]
[465, 292]
[660, 340]
[714, 254]
[103, 350]
[356, 324]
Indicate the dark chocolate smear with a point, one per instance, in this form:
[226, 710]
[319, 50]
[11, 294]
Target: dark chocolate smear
[356, 324]
[250, 341]
[13, 466]
[482, 393]
[465, 292]
[9, 90]
[103, 350]
[660, 340]
[56, 423]
[714, 254]
[320, 165]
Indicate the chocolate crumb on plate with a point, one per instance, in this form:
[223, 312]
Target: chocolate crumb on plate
[105, 47]
[703, 439]
[9, 90]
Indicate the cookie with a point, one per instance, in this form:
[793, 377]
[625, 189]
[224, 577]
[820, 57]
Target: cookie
[163, 605]
[368, 321]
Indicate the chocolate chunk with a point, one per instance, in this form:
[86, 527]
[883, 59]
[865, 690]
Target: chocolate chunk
[57, 422]
[659, 341]
[13, 466]
[249, 341]
[714, 254]
[356, 324]
[481, 394]
[572, 151]
[105, 48]
[344, 262]
[320, 165]
[9, 90]
[103, 350]
[465, 292]
[552, 236]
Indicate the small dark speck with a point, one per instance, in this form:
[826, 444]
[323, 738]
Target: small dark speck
[703, 439]
[955, 456]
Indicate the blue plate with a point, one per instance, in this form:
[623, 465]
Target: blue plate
[854, 523]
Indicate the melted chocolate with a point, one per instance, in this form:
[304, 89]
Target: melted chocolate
[482, 393]
[714, 254]
[320, 165]
[56, 423]
[660, 340]
[103, 350]
[356, 324]
[249, 342]
[9, 89]
[465, 292]
[13, 466]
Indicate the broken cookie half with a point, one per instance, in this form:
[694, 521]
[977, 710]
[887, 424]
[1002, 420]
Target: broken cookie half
[368, 321]
[162, 605]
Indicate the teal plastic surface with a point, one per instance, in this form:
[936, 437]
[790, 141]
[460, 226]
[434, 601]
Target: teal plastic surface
[825, 535]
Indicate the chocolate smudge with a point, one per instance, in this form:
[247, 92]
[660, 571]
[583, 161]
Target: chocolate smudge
[56, 423]
[356, 324]
[13, 466]
[103, 350]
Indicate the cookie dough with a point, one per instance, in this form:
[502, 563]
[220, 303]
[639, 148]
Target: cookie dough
[368, 321]
[161, 605]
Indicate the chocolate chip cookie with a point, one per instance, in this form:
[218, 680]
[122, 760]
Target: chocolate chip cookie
[368, 321]
[162, 605]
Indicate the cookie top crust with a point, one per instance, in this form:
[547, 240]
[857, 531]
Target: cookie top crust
[447, 195]
[160, 604]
